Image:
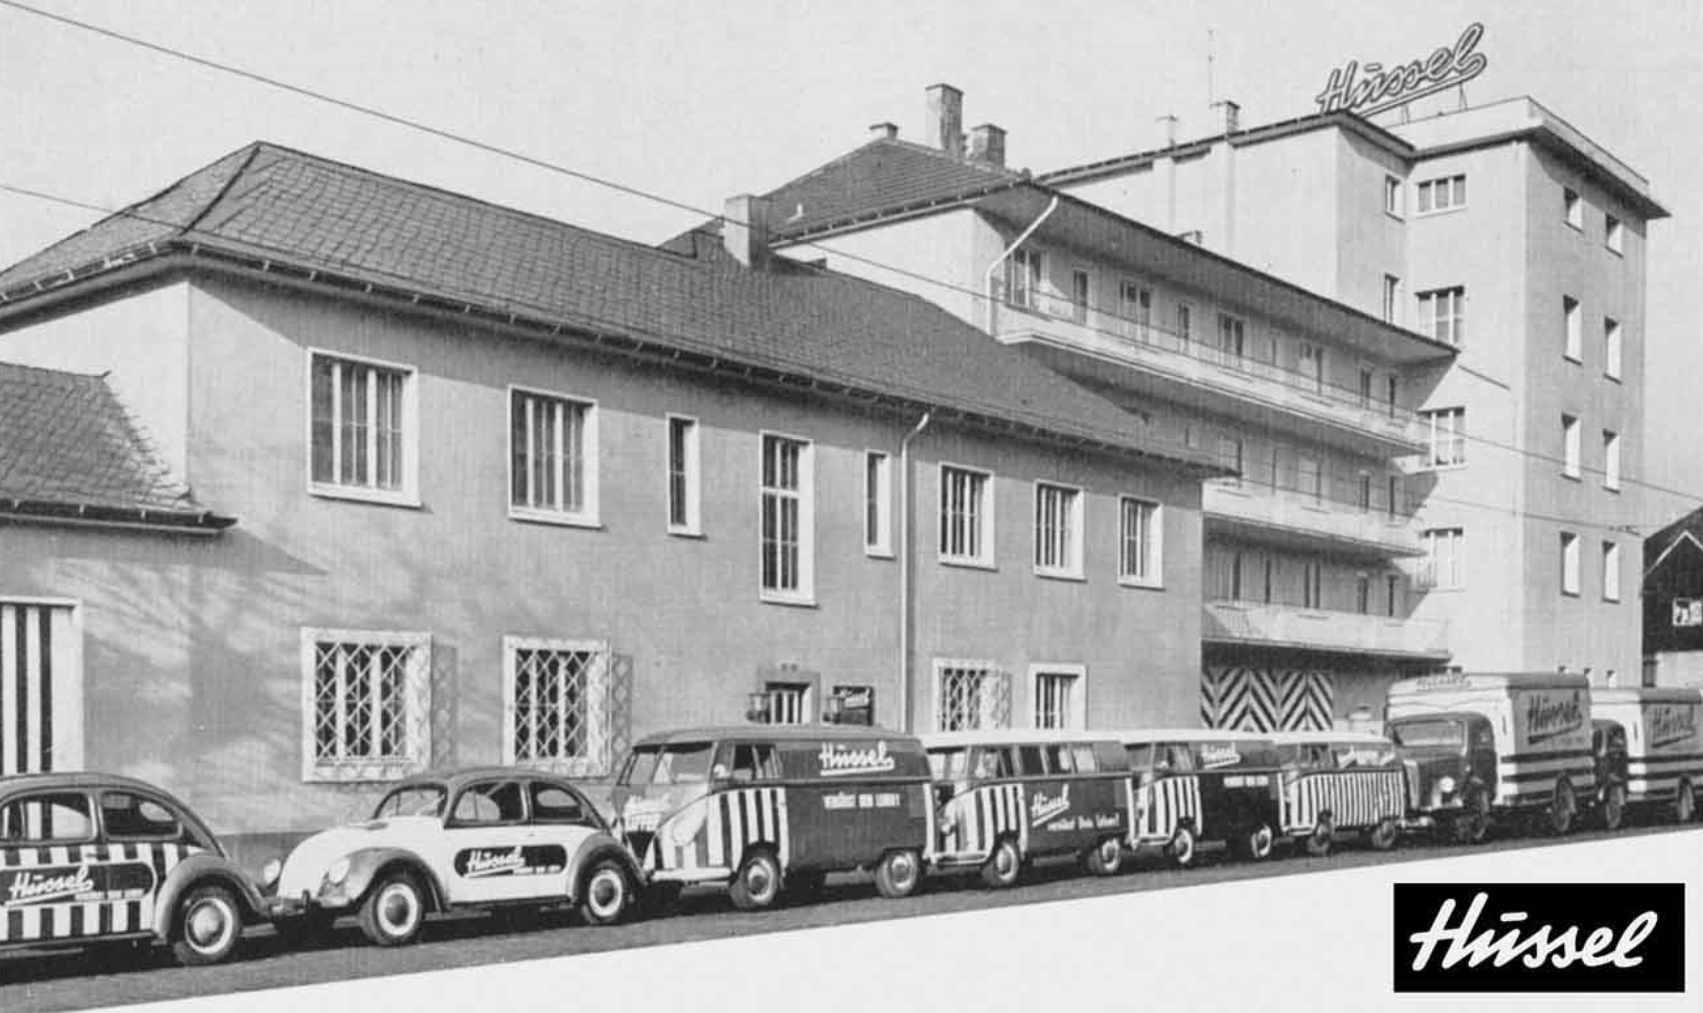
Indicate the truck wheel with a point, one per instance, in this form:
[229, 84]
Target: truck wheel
[606, 892]
[1256, 845]
[1104, 858]
[1003, 864]
[207, 927]
[898, 874]
[1684, 803]
[1181, 848]
[757, 882]
[1612, 810]
[1473, 823]
[1562, 808]
[394, 911]
[1323, 836]
[1383, 836]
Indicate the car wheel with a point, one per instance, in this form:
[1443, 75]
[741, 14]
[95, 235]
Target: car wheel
[1323, 836]
[208, 926]
[898, 874]
[1181, 849]
[1003, 864]
[1562, 808]
[603, 900]
[1256, 845]
[1383, 836]
[1611, 812]
[1104, 858]
[1685, 803]
[757, 882]
[394, 911]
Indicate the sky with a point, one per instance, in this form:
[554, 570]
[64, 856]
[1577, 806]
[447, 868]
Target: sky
[701, 100]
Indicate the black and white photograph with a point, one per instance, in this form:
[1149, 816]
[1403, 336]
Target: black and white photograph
[811, 506]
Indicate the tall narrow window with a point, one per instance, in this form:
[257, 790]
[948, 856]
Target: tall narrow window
[1232, 333]
[552, 458]
[683, 476]
[877, 504]
[1569, 446]
[1310, 477]
[1613, 236]
[1185, 322]
[1079, 293]
[1441, 568]
[1056, 704]
[1572, 208]
[1312, 585]
[1574, 345]
[787, 520]
[1363, 594]
[1610, 571]
[362, 423]
[1611, 348]
[1569, 563]
[1442, 314]
[1313, 364]
[966, 516]
[1393, 502]
[1058, 530]
[1392, 594]
[1363, 490]
[1137, 308]
[1367, 379]
[1447, 432]
[1392, 393]
[1392, 298]
[1139, 542]
[1392, 196]
[1610, 460]
[1023, 279]
[1230, 455]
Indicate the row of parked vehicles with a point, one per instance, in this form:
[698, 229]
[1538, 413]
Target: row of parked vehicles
[88, 858]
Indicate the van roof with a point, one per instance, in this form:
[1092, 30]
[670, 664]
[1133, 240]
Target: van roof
[1346, 738]
[1647, 694]
[777, 733]
[1009, 737]
[1457, 681]
[1134, 736]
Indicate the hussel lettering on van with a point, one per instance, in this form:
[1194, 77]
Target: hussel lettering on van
[1670, 724]
[35, 888]
[1043, 809]
[1548, 717]
[1214, 755]
[840, 760]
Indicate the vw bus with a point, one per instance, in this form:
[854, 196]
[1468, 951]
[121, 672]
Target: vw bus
[1009, 796]
[1663, 732]
[759, 807]
[1340, 781]
[1478, 747]
[1190, 786]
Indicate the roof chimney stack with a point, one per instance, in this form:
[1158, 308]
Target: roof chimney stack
[1232, 116]
[883, 131]
[745, 229]
[987, 145]
[946, 119]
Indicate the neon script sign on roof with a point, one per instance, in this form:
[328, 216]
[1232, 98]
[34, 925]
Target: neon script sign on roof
[1373, 88]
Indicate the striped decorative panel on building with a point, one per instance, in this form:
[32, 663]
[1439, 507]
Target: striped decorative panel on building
[1264, 700]
[41, 688]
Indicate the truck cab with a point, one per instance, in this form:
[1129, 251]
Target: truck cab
[1451, 770]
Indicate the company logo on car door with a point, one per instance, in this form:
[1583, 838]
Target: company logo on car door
[484, 863]
[46, 884]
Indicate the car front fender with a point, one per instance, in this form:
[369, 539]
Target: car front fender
[367, 864]
[197, 870]
[594, 848]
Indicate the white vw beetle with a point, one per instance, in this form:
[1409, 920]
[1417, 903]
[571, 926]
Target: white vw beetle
[481, 838]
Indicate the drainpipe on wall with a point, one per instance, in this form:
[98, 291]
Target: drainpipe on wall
[993, 300]
[905, 570]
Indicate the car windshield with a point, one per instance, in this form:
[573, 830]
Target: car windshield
[948, 764]
[1428, 734]
[676, 763]
[413, 800]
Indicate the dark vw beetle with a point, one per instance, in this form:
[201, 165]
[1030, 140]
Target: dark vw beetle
[91, 858]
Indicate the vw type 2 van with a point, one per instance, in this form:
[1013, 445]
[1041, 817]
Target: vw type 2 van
[762, 807]
[1340, 782]
[1191, 786]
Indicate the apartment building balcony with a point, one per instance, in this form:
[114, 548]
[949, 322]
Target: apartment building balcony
[1116, 355]
[1288, 626]
[1306, 521]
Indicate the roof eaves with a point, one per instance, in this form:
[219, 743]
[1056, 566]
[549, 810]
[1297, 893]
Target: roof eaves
[60, 512]
[896, 212]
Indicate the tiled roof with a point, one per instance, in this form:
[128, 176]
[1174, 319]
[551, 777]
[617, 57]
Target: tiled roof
[330, 221]
[68, 449]
[885, 176]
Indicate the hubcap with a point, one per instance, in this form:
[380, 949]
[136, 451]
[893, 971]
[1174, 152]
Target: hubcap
[1261, 843]
[1108, 852]
[901, 868]
[757, 880]
[1005, 861]
[207, 925]
[398, 909]
[605, 891]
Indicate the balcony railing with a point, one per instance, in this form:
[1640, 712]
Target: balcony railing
[1319, 630]
[1200, 360]
[1293, 510]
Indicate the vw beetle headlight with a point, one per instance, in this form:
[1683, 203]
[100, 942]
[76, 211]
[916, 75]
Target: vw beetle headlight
[270, 872]
[338, 872]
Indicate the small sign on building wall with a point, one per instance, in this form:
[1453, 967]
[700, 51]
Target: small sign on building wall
[1688, 611]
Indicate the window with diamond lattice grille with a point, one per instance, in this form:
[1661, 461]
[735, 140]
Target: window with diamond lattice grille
[367, 698]
[971, 695]
[556, 698]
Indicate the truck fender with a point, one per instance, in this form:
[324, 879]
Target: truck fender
[594, 848]
[366, 865]
[197, 869]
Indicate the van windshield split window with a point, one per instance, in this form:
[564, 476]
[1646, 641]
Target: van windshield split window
[1428, 734]
[676, 763]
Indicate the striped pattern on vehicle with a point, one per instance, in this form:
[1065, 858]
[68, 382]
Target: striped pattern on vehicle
[979, 817]
[716, 831]
[1354, 799]
[1654, 776]
[1530, 777]
[1164, 804]
[73, 916]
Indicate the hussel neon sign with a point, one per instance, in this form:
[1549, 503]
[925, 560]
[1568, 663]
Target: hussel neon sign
[1373, 88]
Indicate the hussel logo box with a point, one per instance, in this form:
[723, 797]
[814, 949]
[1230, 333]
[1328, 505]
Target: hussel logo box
[1539, 937]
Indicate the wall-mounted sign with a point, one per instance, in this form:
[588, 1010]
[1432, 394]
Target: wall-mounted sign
[1373, 88]
[1688, 611]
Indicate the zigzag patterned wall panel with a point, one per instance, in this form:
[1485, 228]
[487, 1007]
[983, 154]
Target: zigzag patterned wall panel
[1263, 700]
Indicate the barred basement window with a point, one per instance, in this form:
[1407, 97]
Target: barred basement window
[556, 705]
[362, 428]
[1138, 541]
[1056, 704]
[552, 458]
[789, 703]
[366, 700]
[966, 517]
[1058, 530]
[970, 695]
[788, 520]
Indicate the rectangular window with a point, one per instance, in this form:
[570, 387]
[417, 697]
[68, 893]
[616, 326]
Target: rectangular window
[1363, 490]
[1363, 594]
[1572, 207]
[363, 424]
[1392, 594]
[366, 704]
[1079, 296]
[552, 458]
[1268, 574]
[555, 705]
[1392, 297]
[877, 503]
[1392, 196]
[1312, 585]
[1185, 322]
[1136, 307]
[1312, 360]
[1230, 455]
[788, 521]
[1232, 333]
[1569, 563]
[1441, 567]
[1058, 530]
[1446, 428]
[1442, 194]
[1023, 280]
[1139, 556]
[1569, 446]
[966, 516]
[1309, 477]
[1392, 392]
[1056, 699]
[1442, 314]
[684, 482]
[970, 695]
[1611, 348]
[1394, 503]
[789, 703]
[1610, 571]
[1610, 460]
[1367, 380]
[1613, 237]
[1575, 342]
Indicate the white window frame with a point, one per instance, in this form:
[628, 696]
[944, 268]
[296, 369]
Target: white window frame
[805, 593]
[408, 494]
[1571, 451]
[1081, 295]
[587, 515]
[1313, 585]
[984, 559]
[1076, 718]
[1428, 303]
[800, 698]
[1573, 208]
[1230, 325]
[1137, 311]
[992, 680]
[1392, 299]
[598, 756]
[1613, 348]
[1428, 190]
[1072, 519]
[1392, 196]
[878, 543]
[1611, 460]
[1614, 235]
[1433, 576]
[1610, 571]
[1185, 322]
[1573, 314]
[1027, 278]
[1155, 577]
[417, 698]
[1447, 443]
[692, 474]
[1570, 563]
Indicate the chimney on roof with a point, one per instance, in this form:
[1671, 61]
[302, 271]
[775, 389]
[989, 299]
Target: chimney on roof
[1232, 115]
[745, 229]
[883, 131]
[987, 145]
[946, 119]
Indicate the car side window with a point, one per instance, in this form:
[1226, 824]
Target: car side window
[993, 762]
[1059, 759]
[1086, 761]
[551, 803]
[1141, 756]
[45, 817]
[129, 817]
[1029, 761]
[755, 762]
[489, 802]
